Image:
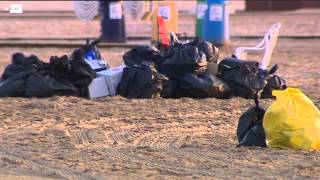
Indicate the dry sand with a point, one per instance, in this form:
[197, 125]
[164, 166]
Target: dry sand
[117, 138]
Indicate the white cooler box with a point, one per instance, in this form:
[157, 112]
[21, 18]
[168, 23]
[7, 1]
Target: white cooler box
[106, 82]
[98, 88]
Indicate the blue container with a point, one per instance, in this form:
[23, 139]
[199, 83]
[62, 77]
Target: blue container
[216, 23]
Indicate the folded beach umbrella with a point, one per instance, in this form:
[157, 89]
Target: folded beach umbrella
[86, 10]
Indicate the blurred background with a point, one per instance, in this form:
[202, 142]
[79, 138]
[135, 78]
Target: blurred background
[248, 18]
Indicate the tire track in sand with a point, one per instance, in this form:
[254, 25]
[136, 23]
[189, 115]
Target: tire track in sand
[45, 168]
[171, 136]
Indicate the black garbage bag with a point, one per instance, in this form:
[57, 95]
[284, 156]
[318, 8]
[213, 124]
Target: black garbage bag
[59, 77]
[230, 63]
[141, 81]
[182, 59]
[254, 137]
[15, 66]
[211, 52]
[21, 63]
[142, 53]
[14, 86]
[34, 60]
[250, 131]
[196, 86]
[244, 79]
[17, 58]
[60, 67]
[11, 70]
[275, 82]
[15, 75]
[41, 86]
[81, 73]
[169, 89]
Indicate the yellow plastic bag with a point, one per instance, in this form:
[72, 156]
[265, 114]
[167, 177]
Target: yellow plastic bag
[292, 121]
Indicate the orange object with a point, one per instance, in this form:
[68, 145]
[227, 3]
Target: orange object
[169, 14]
[163, 38]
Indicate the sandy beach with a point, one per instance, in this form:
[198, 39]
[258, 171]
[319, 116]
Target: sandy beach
[118, 138]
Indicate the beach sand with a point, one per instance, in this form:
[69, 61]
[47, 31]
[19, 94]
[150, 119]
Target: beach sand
[118, 138]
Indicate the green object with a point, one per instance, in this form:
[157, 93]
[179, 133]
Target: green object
[202, 7]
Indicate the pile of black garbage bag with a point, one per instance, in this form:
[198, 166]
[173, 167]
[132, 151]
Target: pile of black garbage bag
[28, 76]
[181, 71]
[246, 79]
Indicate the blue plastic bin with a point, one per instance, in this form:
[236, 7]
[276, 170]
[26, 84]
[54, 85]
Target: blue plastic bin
[216, 23]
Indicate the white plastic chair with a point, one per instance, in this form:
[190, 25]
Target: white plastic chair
[267, 44]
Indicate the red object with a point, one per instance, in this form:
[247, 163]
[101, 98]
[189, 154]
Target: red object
[163, 33]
